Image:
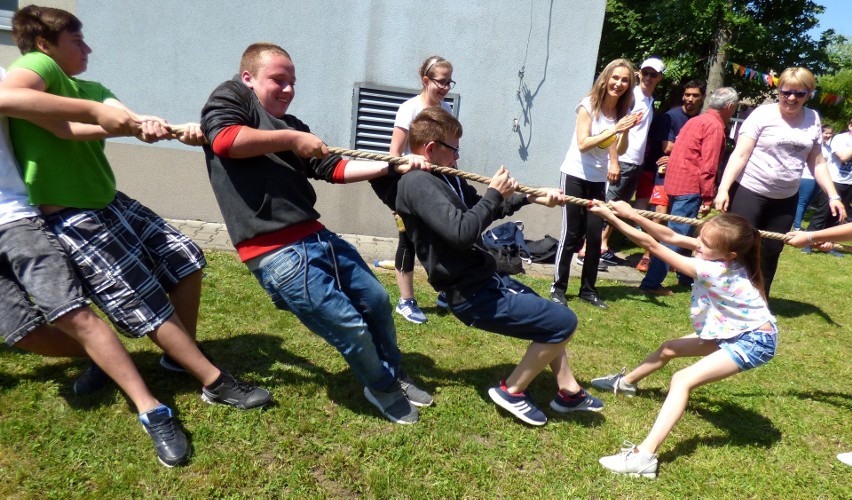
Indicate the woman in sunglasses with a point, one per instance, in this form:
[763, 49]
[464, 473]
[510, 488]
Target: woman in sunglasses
[603, 119]
[776, 142]
[436, 78]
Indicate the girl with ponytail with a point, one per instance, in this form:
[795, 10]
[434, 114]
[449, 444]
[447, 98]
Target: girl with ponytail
[733, 328]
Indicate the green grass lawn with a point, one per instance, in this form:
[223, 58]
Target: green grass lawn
[771, 432]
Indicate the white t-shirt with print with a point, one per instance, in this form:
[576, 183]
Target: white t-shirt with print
[725, 303]
[780, 152]
[408, 111]
[591, 165]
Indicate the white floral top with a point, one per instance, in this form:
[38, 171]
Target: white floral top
[724, 301]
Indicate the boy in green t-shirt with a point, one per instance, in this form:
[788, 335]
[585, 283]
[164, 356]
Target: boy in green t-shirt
[143, 273]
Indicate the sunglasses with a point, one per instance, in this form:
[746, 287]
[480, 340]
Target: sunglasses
[798, 93]
[454, 149]
[652, 74]
[449, 84]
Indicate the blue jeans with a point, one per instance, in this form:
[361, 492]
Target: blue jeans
[807, 190]
[751, 349]
[324, 281]
[685, 205]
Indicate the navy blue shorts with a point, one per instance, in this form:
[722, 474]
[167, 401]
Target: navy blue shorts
[511, 308]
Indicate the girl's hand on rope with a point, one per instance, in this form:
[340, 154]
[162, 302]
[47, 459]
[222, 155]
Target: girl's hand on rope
[551, 197]
[600, 209]
[721, 201]
[415, 162]
[503, 183]
[622, 209]
[798, 239]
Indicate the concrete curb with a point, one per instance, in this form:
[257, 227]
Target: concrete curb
[214, 236]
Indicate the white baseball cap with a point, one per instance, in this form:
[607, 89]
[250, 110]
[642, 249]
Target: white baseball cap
[655, 63]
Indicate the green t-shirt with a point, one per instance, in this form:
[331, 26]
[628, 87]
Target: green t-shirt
[60, 171]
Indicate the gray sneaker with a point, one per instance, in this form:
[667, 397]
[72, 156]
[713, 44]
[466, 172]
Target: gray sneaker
[632, 461]
[615, 383]
[417, 396]
[393, 403]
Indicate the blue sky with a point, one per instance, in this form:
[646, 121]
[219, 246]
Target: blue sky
[837, 16]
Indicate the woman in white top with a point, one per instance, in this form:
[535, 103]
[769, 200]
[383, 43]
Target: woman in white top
[602, 120]
[761, 181]
[436, 77]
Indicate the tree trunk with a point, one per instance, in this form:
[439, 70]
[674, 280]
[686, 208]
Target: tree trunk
[719, 57]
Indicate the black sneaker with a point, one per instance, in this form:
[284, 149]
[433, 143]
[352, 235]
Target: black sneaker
[559, 298]
[91, 381]
[230, 391]
[169, 441]
[611, 259]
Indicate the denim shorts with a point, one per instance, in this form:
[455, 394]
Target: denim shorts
[37, 283]
[751, 349]
[508, 307]
[128, 259]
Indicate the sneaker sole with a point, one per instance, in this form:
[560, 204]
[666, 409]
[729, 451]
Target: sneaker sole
[495, 396]
[375, 402]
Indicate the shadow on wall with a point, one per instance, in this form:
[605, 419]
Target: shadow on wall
[526, 96]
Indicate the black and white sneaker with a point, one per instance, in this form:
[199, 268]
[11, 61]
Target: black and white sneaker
[169, 441]
[611, 259]
[230, 391]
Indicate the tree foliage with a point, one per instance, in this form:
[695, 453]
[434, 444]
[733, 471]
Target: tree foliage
[838, 83]
[766, 35]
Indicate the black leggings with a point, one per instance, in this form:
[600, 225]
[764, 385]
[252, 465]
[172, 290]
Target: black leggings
[404, 261]
[577, 223]
[767, 214]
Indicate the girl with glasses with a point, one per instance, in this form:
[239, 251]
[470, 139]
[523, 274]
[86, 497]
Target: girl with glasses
[436, 78]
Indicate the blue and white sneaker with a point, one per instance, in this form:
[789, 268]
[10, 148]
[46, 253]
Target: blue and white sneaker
[582, 401]
[409, 310]
[519, 405]
[441, 301]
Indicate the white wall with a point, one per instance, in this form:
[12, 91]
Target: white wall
[165, 57]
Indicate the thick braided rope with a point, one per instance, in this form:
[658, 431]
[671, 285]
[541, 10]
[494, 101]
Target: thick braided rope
[397, 160]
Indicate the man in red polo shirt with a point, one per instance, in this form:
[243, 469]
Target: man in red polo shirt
[691, 176]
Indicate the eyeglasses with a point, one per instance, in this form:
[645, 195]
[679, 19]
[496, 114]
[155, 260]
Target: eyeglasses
[455, 149]
[798, 93]
[444, 84]
[652, 74]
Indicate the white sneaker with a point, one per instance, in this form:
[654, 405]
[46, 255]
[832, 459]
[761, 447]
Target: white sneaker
[632, 461]
[846, 458]
[615, 383]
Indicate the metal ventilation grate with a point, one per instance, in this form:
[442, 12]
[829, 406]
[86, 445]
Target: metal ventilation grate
[374, 108]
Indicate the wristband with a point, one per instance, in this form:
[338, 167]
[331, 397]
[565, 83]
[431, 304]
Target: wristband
[810, 241]
[834, 198]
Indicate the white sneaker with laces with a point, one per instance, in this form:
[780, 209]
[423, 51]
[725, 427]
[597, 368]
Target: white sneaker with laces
[632, 462]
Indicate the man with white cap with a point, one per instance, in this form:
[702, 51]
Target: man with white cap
[625, 171]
